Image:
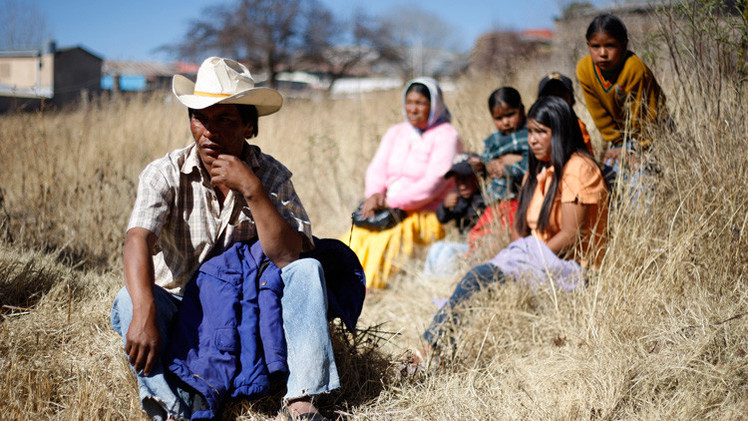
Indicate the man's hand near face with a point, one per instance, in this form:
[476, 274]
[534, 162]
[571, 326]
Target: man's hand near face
[450, 201]
[279, 241]
[231, 172]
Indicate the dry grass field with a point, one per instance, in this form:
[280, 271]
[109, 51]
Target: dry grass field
[661, 331]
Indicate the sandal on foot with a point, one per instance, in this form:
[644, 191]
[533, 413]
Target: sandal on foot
[407, 367]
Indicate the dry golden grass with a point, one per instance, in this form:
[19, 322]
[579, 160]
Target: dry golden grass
[661, 332]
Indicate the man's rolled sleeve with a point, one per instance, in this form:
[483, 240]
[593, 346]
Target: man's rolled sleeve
[290, 208]
[151, 207]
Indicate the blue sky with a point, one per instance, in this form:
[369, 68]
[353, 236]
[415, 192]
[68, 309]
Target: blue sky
[132, 29]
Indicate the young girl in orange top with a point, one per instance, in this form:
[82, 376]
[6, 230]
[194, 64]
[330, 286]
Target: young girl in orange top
[621, 92]
[560, 223]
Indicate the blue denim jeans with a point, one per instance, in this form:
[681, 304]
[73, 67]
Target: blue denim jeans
[311, 362]
[158, 398]
[477, 278]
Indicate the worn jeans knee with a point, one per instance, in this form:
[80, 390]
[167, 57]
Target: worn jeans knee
[444, 257]
[311, 362]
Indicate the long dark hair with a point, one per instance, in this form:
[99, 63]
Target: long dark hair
[566, 140]
[609, 24]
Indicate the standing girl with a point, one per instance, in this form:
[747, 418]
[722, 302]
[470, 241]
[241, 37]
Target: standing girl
[560, 225]
[621, 92]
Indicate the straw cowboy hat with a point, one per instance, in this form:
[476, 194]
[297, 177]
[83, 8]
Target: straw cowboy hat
[224, 81]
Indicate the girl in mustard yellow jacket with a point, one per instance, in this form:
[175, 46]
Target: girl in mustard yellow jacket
[621, 92]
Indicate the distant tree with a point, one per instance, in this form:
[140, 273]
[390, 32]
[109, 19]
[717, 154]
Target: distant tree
[504, 51]
[267, 33]
[338, 48]
[496, 51]
[23, 25]
[413, 24]
[574, 8]
[283, 35]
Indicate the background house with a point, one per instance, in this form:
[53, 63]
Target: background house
[31, 79]
[137, 76]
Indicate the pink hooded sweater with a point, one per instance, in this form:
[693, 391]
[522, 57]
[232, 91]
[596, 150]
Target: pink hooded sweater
[409, 165]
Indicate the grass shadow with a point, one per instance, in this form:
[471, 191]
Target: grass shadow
[363, 371]
[25, 280]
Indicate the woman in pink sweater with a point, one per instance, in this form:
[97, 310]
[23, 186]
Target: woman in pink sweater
[407, 173]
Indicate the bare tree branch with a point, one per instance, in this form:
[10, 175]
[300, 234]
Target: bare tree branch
[283, 35]
[23, 25]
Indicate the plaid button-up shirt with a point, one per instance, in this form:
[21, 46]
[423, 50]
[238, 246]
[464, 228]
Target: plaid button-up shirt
[177, 203]
[498, 144]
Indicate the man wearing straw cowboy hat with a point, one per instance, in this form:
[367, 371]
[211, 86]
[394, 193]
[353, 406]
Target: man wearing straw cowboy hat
[199, 200]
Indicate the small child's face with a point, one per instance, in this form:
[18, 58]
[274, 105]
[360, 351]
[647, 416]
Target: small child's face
[467, 185]
[507, 119]
[606, 52]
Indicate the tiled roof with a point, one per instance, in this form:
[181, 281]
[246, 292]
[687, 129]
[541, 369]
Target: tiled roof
[138, 68]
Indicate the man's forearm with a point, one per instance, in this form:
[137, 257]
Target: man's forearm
[138, 268]
[143, 340]
[280, 242]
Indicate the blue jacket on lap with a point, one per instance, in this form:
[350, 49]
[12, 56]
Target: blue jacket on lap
[228, 335]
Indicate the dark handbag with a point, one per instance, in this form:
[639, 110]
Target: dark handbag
[382, 219]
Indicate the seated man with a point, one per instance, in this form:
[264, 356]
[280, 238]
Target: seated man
[194, 203]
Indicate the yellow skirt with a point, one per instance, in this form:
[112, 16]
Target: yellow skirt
[380, 252]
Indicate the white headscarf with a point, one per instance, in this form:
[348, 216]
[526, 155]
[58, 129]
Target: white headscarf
[439, 111]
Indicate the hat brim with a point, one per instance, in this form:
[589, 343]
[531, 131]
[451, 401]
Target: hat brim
[452, 173]
[266, 100]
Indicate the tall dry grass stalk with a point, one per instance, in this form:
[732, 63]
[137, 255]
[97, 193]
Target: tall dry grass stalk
[67, 177]
[661, 331]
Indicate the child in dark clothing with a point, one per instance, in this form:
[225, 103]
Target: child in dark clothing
[464, 206]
